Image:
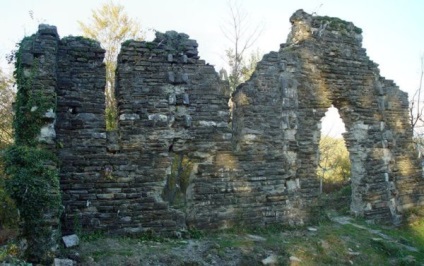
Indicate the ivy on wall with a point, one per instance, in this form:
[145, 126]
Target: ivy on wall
[34, 185]
[32, 175]
[30, 105]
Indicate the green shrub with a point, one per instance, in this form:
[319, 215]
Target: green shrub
[8, 212]
[31, 174]
[33, 183]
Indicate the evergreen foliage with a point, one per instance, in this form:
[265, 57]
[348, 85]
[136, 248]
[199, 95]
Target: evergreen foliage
[31, 175]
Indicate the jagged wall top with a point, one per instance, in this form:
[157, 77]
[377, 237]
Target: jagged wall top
[177, 46]
[173, 41]
[306, 26]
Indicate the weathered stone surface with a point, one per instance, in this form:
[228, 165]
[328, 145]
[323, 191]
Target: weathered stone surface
[323, 64]
[172, 98]
[270, 260]
[180, 158]
[294, 259]
[70, 241]
[39, 65]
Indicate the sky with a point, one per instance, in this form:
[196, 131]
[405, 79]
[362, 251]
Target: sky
[393, 30]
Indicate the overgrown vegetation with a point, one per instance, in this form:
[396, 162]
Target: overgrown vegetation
[7, 96]
[8, 211]
[30, 106]
[34, 186]
[241, 69]
[31, 177]
[9, 218]
[338, 24]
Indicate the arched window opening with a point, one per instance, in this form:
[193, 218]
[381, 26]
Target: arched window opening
[332, 124]
[333, 168]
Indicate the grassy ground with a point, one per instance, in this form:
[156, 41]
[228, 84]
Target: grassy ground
[337, 241]
[330, 243]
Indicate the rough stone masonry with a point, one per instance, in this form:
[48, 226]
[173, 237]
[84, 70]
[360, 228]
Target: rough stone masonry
[181, 158]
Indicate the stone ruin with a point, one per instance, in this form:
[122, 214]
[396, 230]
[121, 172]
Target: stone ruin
[182, 158]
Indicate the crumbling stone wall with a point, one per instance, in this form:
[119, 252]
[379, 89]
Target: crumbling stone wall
[173, 122]
[180, 157]
[80, 130]
[322, 64]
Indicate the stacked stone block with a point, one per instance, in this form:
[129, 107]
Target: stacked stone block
[81, 136]
[173, 118]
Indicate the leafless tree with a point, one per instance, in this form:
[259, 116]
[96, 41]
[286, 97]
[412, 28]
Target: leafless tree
[416, 106]
[238, 30]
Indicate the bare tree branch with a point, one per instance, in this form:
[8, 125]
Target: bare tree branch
[238, 31]
[416, 110]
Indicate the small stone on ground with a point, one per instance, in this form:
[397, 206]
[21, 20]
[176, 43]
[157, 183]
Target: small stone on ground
[71, 241]
[270, 260]
[63, 262]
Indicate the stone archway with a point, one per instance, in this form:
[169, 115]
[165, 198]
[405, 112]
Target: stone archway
[324, 64]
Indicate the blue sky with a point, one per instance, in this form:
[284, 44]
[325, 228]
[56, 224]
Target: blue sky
[393, 30]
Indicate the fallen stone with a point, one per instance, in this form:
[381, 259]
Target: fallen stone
[312, 229]
[295, 259]
[75, 256]
[63, 262]
[256, 238]
[270, 260]
[71, 241]
[353, 253]
[342, 220]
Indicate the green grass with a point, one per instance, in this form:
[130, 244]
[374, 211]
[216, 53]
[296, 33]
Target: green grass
[97, 255]
[331, 244]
